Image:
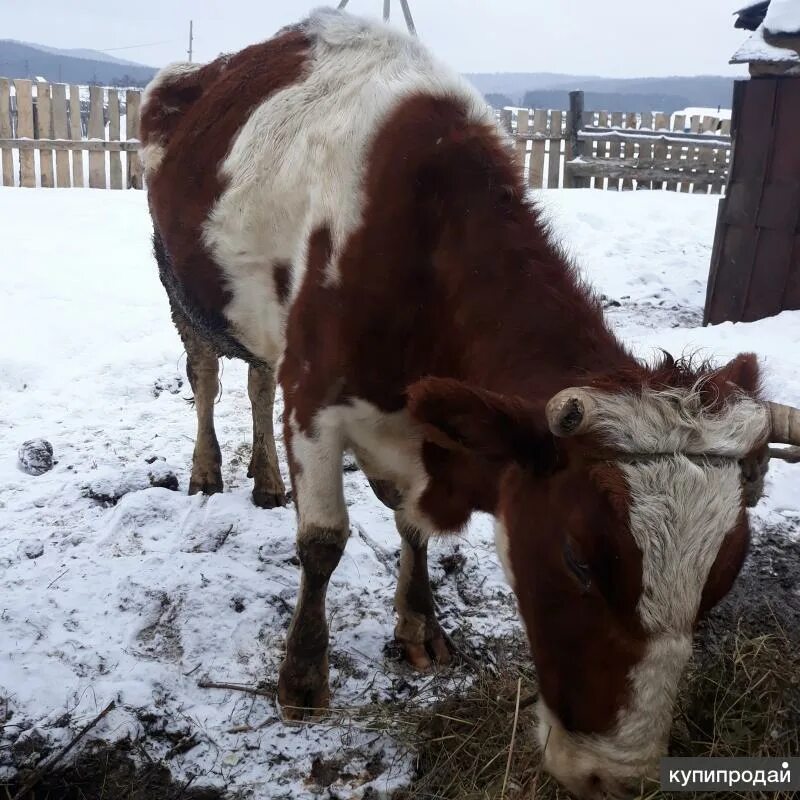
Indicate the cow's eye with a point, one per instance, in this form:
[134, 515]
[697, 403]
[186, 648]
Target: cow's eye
[579, 568]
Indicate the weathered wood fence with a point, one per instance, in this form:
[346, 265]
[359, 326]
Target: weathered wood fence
[58, 135]
[618, 150]
[52, 136]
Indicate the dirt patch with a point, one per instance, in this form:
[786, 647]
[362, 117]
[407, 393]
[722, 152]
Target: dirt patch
[104, 772]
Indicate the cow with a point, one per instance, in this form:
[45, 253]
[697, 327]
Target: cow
[338, 205]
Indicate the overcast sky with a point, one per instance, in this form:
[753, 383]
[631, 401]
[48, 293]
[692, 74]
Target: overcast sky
[621, 38]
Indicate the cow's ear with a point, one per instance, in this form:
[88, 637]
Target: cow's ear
[490, 425]
[740, 374]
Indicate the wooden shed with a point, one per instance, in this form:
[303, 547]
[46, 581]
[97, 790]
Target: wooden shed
[755, 262]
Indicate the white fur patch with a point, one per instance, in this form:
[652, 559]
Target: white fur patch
[298, 161]
[681, 511]
[674, 421]
[503, 548]
[632, 751]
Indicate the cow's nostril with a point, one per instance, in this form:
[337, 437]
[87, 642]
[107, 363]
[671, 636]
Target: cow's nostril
[595, 786]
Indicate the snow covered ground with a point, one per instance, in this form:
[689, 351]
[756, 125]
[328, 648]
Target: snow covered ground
[137, 600]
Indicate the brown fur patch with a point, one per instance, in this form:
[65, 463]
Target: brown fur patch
[282, 277]
[211, 105]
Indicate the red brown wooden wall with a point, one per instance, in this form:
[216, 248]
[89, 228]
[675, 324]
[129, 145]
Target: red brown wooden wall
[755, 263]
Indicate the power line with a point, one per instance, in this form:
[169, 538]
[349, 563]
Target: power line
[135, 46]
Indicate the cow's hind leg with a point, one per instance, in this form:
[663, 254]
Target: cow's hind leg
[268, 488]
[417, 628]
[202, 367]
[323, 528]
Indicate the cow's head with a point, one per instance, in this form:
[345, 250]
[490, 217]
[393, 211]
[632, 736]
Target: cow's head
[621, 520]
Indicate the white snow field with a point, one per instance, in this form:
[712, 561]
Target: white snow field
[140, 600]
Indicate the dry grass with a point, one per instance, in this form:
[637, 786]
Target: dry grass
[741, 698]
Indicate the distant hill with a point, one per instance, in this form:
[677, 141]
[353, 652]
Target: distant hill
[78, 52]
[548, 90]
[21, 60]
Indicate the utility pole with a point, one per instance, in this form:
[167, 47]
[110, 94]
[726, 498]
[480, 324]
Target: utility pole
[191, 39]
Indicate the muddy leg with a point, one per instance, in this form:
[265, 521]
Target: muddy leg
[268, 488]
[202, 366]
[417, 627]
[316, 464]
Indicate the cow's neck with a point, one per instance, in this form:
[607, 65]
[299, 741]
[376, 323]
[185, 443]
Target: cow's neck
[524, 322]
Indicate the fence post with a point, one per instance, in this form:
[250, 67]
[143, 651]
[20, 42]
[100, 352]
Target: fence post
[574, 147]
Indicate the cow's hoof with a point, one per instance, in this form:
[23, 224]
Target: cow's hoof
[208, 484]
[269, 498]
[422, 657]
[302, 696]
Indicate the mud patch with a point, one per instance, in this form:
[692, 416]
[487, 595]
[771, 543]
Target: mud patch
[112, 773]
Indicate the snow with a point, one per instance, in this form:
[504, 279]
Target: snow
[756, 48]
[783, 17]
[116, 590]
[698, 111]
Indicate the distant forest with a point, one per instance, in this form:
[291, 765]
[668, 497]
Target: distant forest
[543, 90]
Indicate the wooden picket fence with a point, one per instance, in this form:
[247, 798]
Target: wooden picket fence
[618, 150]
[62, 135]
[55, 124]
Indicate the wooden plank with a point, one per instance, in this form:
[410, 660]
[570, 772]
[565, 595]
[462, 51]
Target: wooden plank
[44, 108]
[554, 157]
[591, 132]
[630, 148]
[733, 267]
[134, 166]
[721, 161]
[576, 148]
[76, 134]
[705, 156]
[97, 160]
[602, 147]
[676, 150]
[27, 167]
[5, 132]
[692, 152]
[645, 147]
[114, 158]
[521, 145]
[60, 131]
[661, 123]
[623, 169]
[615, 150]
[536, 172]
[87, 145]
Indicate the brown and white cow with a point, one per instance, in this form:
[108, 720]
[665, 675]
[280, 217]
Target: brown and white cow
[337, 203]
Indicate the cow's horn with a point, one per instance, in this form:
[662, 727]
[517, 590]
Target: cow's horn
[789, 454]
[785, 424]
[570, 412]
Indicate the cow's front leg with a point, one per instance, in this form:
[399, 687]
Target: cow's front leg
[417, 628]
[323, 528]
[268, 488]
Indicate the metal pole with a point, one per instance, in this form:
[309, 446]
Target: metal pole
[342, 4]
[386, 9]
[409, 19]
[191, 38]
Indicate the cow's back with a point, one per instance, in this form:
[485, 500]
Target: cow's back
[247, 156]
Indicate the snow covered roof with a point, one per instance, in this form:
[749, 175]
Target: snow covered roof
[783, 18]
[776, 36]
[757, 48]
